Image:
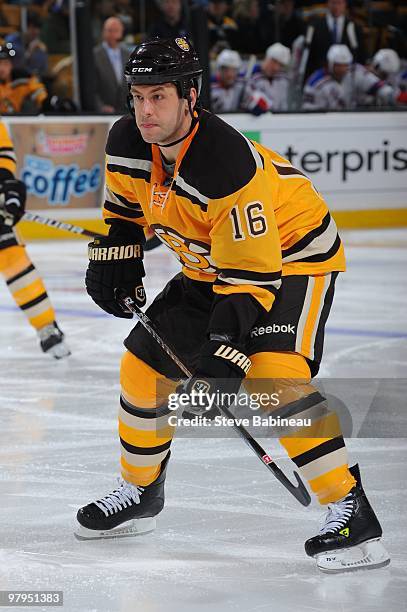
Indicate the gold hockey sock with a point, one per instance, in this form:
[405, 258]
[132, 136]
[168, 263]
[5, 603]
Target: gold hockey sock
[26, 286]
[318, 450]
[145, 435]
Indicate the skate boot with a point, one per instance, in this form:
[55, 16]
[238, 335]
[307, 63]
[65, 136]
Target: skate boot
[350, 537]
[52, 341]
[130, 510]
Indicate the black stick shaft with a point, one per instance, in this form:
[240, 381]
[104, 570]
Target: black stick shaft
[299, 491]
[151, 243]
[59, 225]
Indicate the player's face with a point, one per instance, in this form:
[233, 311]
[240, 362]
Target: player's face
[161, 115]
[5, 69]
[271, 67]
[340, 71]
[228, 75]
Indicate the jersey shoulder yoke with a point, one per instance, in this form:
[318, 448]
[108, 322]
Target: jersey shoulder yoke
[220, 159]
[125, 140]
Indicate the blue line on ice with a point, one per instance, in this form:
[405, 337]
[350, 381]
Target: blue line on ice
[337, 331]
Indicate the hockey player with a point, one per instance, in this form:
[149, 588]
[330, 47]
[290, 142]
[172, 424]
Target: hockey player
[19, 272]
[344, 85]
[386, 66]
[270, 83]
[19, 90]
[258, 250]
[227, 90]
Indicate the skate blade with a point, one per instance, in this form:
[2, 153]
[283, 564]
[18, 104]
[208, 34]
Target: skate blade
[368, 555]
[59, 351]
[129, 529]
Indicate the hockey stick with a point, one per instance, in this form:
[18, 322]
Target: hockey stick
[302, 67]
[299, 491]
[151, 243]
[59, 225]
[350, 30]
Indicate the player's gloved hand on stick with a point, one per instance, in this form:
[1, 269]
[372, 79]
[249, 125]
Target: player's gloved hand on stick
[115, 263]
[221, 368]
[13, 194]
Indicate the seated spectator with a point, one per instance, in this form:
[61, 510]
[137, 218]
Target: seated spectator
[343, 85]
[386, 66]
[223, 30]
[254, 32]
[110, 58]
[172, 23]
[334, 28]
[270, 82]
[227, 90]
[31, 52]
[20, 92]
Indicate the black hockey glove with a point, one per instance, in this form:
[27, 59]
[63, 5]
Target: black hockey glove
[221, 368]
[115, 263]
[13, 194]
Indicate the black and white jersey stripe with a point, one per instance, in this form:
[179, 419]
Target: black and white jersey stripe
[118, 204]
[320, 244]
[267, 280]
[136, 168]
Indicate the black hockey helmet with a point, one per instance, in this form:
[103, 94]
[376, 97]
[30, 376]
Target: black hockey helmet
[160, 60]
[7, 51]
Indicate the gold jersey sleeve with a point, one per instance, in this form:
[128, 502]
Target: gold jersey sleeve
[121, 201]
[7, 156]
[310, 243]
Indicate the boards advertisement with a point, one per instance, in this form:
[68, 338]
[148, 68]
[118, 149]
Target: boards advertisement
[62, 164]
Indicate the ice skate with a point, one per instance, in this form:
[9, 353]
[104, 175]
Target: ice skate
[129, 510]
[52, 341]
[351, 536]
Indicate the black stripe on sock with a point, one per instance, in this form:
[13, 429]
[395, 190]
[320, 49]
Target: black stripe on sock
[294, 408]
[319, 451]
[141, 450]
[144, 413]
[34, 302]
[26, 270]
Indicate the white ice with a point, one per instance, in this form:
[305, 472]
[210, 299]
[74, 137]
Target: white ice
[230, 538]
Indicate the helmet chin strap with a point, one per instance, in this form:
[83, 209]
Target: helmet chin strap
[194, 116]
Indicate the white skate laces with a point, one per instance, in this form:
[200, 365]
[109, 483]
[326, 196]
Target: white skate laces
[124, 496]
[338, 515]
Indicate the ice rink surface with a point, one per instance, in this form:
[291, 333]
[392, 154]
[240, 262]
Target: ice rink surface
[231, 538]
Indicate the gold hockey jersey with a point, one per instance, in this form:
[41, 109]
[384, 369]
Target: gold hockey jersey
[7, 156]
[234, 213]
[22, 93]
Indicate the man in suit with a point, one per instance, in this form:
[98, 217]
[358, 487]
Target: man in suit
[110, 58]
[332, 29]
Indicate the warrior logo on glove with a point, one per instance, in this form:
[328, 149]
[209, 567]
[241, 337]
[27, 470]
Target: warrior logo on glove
[128, 251]
[240, 359]
[115, 267]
